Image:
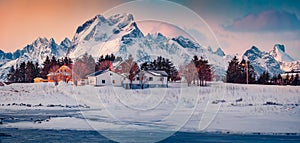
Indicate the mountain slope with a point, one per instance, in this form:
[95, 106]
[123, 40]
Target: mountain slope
[37, 51]
[120, 35]
[279, 54]
[262, 61]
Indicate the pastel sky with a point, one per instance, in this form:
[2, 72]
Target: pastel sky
[237, 24]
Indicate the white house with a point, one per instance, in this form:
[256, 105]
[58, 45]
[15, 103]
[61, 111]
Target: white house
[148, 79]
[105, 77]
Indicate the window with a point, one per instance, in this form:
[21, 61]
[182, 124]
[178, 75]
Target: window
[150, 78]
[110, 74]
[103, 81]
[137, 78]
[161, 79]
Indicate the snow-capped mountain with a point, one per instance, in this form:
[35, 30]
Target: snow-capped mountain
[289, 66]
[37, 51]
[119, 34]
[262, 61]
[287, 63]
[100, 36]
[279, 54]
[220, 52]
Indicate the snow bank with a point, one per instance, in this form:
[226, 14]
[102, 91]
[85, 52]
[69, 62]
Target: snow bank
[231, 108]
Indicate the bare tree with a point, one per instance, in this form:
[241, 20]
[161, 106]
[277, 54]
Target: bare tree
[189, 72]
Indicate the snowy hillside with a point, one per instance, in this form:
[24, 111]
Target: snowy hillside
[37, 51]
[262, 61]
[233, 108]
[289, 66]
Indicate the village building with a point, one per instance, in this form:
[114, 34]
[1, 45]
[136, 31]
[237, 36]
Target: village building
[148, 79]
[291, 73]
[39, 79]
[64, 73]
[105, 77]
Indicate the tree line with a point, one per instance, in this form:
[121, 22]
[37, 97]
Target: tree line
[27, 71]
[162, 64]
[197, 71]
[238, 71]
[129, 67]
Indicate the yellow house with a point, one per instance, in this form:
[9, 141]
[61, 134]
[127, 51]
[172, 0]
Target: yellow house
[38, 79]
[64, 73]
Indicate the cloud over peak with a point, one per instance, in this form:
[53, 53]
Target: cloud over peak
[266, 21]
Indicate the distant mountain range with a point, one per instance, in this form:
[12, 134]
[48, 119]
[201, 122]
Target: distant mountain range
[119, 34]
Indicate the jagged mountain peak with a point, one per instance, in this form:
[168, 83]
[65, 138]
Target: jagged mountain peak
[279, 47]
[219, 52]
[278, 52]
[102, 29]
[66, 42]
[186, 42]
[262, 61]
[40, 40]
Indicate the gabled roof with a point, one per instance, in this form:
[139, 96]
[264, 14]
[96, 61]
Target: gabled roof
[102, 72]
[97, 73]
[157, 73]
[52, 74]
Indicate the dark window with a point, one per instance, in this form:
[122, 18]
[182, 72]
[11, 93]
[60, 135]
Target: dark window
[150, 78]
[110, 74]
[103, 81]
[137, 78]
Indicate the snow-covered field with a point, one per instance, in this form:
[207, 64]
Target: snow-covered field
[229, 108]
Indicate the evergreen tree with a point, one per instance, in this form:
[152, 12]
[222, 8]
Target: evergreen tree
[251, 73]
[29, 72]
[36, 69]
[296, 80]
[17, 74]
[53, 62]
[232, 72]
[162, 64]
[22, 70]
[279, 79]
[145, 66]
[286, 80]
[46, 67]
[11, 74]
[291, 79]
[264, 78]
[239, 72]
[204, 71]
[105, 63]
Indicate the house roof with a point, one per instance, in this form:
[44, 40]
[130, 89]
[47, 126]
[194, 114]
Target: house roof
[97, 73]
[103, 71]
[52, 74]
[158, 73]
[64, 67]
